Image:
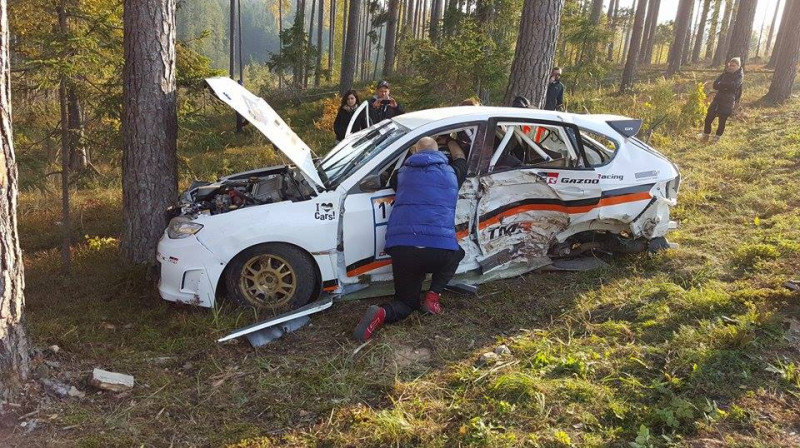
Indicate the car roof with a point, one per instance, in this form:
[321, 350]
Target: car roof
[413, 120]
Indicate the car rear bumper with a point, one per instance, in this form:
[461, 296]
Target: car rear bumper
[189, 271]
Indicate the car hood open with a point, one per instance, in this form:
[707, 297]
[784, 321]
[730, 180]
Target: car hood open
[265, 119]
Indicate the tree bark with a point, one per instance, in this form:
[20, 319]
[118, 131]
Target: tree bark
[411, 14]
[742, 30]
[712, 32]
[687, 44]
[649, 36]
[331, 34]
[436, 21]
[348, 70]
[724, 32]
[629, 72]
[149, 125]
[701, 29]
[14, 345]
[318, 65]
[596, 11]
[310, 39]
[611, 17]
[681, 25]
[535, 50]
[65, 147]
[391, 35]
[768, 47]
[780, 89]
[784, 28]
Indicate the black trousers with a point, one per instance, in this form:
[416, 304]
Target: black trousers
[410, 265]
[713, 113]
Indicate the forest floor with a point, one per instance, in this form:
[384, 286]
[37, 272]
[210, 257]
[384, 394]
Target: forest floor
[694, 346]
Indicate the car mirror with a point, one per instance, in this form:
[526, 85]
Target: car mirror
[371, 183]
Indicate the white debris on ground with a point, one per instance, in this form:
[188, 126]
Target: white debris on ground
[111, 381]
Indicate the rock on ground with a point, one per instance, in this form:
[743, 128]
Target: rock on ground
[111, 381]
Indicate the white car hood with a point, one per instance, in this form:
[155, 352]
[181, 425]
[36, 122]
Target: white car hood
[265, 119]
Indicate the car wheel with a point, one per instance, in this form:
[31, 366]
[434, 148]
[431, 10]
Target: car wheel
[271, 277]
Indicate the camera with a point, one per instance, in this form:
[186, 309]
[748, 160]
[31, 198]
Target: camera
[384, 102]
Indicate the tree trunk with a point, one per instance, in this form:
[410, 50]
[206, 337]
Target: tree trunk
[280, 41]
[784, 28]
[411, 14]
[611, 17]
[348, 70]
[681, 25]
[649, 34]
[345, 15]
[780, 89]
[701, 29]
[436, 21]
[768, 47]
[629, 73]
[742, 30]
[331, 34]
[724, 33]
[310, 39]
[391, 35]
[14, 346]
[712, 33]
[299, 25]
[65, 147]
[628, 30]
[596, 12]
[535, 50]
[318, 65]
[149, 125]
[687, 44]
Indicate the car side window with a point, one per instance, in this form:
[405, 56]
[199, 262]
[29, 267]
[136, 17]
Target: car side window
[599, 149]
[532, 145]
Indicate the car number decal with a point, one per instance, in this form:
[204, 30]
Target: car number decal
[381, 209]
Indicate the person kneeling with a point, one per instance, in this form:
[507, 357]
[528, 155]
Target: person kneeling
[420, 237]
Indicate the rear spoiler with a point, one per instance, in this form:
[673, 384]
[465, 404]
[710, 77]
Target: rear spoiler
[628, 128]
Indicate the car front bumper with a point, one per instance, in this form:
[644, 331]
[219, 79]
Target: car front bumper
[189, 271]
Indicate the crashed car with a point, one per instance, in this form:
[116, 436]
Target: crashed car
[541, 185]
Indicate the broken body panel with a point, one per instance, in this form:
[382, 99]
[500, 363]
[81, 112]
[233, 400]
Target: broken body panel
[508, 220]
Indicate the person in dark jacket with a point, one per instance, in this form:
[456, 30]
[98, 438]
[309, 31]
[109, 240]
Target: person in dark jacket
[420, 236]
[383, 106]
[345, 114]
[729, 91]
[554, 99]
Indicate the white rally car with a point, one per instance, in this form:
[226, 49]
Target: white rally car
[540, 185]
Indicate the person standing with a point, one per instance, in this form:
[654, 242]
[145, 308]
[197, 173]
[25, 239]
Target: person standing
[729, 91]
[421, 236]
[554, 100]
[383, 106]
[345, 114]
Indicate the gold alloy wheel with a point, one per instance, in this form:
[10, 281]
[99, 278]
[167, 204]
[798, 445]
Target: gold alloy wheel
[268, 281]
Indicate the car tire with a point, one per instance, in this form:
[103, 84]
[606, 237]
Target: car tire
[271, 277]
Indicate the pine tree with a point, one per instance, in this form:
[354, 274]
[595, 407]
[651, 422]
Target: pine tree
[780, 89]
[742, 30]
[629, 72]
[682, 19]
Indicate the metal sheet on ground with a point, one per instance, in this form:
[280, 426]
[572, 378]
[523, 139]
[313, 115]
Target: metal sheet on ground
[311, 308]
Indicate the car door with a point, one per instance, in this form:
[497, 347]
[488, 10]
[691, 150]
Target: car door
[523, 198]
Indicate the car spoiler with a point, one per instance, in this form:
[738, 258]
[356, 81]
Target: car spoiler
[628, 128]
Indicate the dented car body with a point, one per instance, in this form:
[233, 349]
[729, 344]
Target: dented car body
[540, 185]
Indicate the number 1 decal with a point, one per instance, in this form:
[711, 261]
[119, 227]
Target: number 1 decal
[381, 209]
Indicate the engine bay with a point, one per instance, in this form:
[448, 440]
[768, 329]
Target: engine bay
[247, 189]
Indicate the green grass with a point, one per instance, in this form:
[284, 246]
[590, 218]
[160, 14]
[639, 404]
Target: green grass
[681, 348]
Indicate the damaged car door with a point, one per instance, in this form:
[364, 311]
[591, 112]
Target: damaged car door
[532, 189]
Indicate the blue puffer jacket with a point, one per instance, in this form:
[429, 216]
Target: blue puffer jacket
[424, 210]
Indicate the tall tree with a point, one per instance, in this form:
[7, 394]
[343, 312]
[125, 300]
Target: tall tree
[331, 34]
[596, 12]
[772, 29]
[149, 125]
[436, 21]
[784, 28]
[780, 89]
[14, 346]
[724, 32]
[682, 20]
[742, 30]
[348, 70]
[712, 32]
[318, 65]
[535, 50]
[629, 72]
[649, 35]
[611, 18]
[391, 37]
[701, 29]
[687, 43]
[411, 14]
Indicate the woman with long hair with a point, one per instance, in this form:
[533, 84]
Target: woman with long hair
[346, 110]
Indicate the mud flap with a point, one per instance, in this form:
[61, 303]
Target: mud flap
[263, 332]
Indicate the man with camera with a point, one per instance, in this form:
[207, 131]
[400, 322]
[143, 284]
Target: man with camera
[383, 105]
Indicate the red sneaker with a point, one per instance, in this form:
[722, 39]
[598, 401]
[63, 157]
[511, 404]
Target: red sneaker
[372, 320]
[430, 304]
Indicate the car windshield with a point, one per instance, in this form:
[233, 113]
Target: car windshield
[356, 150]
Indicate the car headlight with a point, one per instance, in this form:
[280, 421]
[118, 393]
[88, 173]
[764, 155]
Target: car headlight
[181, 227]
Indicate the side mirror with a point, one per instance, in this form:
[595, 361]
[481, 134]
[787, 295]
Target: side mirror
[371, 183]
